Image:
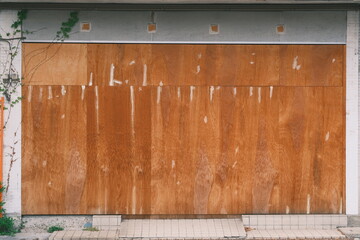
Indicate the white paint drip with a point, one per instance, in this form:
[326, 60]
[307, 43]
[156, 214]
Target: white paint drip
[44, 163]
[40, 93]
[63, 90]
[234, 91]
[145, 75]
[133, 200]
[340, 208]
[259, 94]
[126, 81]
[327, 136]
[179, 92]
[192, 88]
[82, 92]
[237, 150]
[172, 164]
[205, 119]
[63, 116]
[251, 91]
[252, 62]
[233, 166]
[271, 91]
[333, 60]
[118, 82]
[198, 69]
[211, 93]
[158, 94]
[132, 100]
[91, 79]
[199, 55]
[50, 92]
[287, 210]
[112, 69]
[97, 108]
[308, 204]
[132, 62]
[218, 88]
[295, 64]
[161, 84]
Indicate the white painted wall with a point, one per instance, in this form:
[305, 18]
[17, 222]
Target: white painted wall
[12, 137]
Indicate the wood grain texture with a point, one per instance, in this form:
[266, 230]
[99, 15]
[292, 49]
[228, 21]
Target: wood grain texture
[311, 65]
[54, 64]
[312, 150]
[169, 139]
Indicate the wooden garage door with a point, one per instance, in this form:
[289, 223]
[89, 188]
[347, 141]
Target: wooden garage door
[183, 129]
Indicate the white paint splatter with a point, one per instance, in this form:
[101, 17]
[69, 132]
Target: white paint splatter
[97, 108]
[218, 88]
[178, 182]
[50, 92]
[259, 94]
[159, 89]
[237, 150]
[91, 79]
[205, 119]
[63, 90]
[118, 82]
[179, 92]
[251, 91]
[327, 136]
[253, 54]
[40, 93]
[63, 116]
[161, 84]
[233, 166]
[145, 75]
[211, 93]
[132, 62]
[140, 89]
[49, 183]
[44, 163]
[271, 91]
[112, 69]
[308, 204]
[173, 164]
[295, 64]
[132, 100]
[82, 92]
[287, 210]
[252, 62]
[192, 88]
[333, 60]
[126, 81]
[199, 55]
[198, 69]
[234, 91]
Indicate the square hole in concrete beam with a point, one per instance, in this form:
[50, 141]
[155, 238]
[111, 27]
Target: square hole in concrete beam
[280, 29]
[214, 29]
[85, 27]
[151, 27]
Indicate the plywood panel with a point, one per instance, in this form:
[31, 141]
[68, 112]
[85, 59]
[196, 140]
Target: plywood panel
[312, 168]
[177, 65]
[175, 140]
[311, 65]
[54, 64]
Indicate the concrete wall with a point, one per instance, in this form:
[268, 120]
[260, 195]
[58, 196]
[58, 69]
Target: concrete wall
[12, 137]
[193, 26]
